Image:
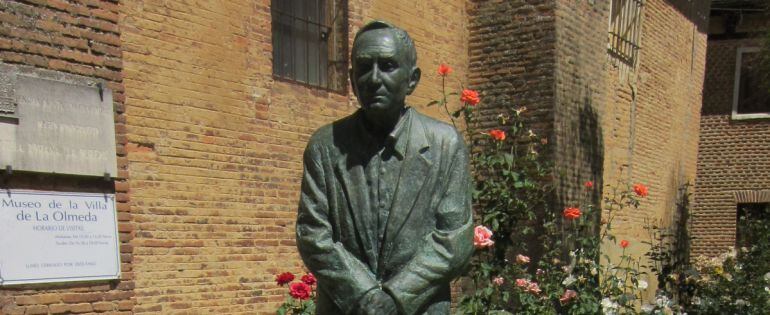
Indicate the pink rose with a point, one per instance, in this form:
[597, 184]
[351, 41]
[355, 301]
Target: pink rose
[568, 296]
[521, 259]
[533, 288]
[482, 237]
[498, 281]
[522, 283]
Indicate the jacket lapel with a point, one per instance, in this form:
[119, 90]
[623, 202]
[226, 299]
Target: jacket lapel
[350, 171]
[414, 173]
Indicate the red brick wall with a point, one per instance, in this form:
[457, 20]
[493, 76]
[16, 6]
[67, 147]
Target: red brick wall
[81, 38]
[733, 156]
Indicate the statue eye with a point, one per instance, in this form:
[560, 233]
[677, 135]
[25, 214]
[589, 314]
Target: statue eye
[388, 66]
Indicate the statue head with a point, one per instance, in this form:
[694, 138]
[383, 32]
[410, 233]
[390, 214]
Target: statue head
[384, 71]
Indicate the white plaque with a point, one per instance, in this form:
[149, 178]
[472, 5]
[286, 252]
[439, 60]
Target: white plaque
[48, 236]
[62, 123]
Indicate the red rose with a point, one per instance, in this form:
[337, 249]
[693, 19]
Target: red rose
[300, 290]
[497, 134]
[443, 70]
[589, 184]
[309, 279]
[640, 190]
[624, 243]
[470, 97]
[572, 213]
[284, 278]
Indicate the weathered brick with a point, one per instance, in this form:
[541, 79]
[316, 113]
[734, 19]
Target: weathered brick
[36, 309]
[81, 308]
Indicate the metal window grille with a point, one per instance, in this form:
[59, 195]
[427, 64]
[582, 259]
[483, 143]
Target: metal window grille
[310, 42]
[625, 30]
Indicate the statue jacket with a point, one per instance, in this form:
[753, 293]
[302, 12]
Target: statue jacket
[427, 237]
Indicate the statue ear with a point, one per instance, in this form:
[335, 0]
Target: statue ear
[414, 78]
[352, 82]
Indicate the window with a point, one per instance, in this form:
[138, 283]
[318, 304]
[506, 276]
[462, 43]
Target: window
[751, 92]
[749, 216]
[310, 41]
[625, 30]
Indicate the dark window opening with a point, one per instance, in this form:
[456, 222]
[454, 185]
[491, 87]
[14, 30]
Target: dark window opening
[753, 86]
[310, 41]
[748, 214]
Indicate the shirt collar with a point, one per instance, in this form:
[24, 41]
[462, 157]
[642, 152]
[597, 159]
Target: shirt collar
[398, 139]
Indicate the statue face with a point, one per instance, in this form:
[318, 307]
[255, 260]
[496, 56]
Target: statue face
[382, 74]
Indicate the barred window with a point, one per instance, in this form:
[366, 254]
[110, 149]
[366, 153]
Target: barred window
[310, 42]
[625, 30]
[751, 91]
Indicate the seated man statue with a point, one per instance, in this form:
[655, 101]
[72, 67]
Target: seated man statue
[384, 218]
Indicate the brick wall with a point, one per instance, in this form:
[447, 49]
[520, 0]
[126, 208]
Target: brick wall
[650, 122]
[580, 97]
[81, 38]
[512, 58]
[551, 57]
[733, 156]
[650, 119]
[215, 144]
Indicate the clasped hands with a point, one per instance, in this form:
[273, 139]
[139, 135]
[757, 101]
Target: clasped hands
[376, 302]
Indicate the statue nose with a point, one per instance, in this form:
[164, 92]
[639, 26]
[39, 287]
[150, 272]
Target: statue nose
[375, 75]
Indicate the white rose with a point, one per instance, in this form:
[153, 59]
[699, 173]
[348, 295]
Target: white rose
[642, 284]
[568, 280]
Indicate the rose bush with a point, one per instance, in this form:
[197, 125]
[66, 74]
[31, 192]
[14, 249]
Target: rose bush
[300, 299]
[570, 275]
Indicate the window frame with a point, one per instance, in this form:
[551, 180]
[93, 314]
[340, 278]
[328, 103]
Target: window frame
[737, 86]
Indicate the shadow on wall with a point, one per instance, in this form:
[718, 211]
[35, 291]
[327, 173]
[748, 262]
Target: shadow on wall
[580, 154]
[696, 12]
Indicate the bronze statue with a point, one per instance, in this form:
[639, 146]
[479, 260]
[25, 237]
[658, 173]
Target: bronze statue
[384, 217]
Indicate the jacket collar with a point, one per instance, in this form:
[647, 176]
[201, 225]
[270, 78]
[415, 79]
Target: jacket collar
[407, 129]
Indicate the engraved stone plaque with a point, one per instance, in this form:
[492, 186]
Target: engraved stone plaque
[64, 124]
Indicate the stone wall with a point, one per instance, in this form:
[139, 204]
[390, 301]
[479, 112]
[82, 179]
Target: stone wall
[81, 38]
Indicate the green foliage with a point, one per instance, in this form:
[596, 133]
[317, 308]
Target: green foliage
[738, 281]
[511, 190]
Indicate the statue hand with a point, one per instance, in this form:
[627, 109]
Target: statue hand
[377, 302]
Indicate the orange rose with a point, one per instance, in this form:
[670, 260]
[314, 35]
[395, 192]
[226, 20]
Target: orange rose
[444, 70]
[640, 190]
[497, 134]
[624, 243]
[571, 213]
[470, 97]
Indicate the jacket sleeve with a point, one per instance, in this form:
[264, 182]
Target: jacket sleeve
[447, 249]
[341, 275]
